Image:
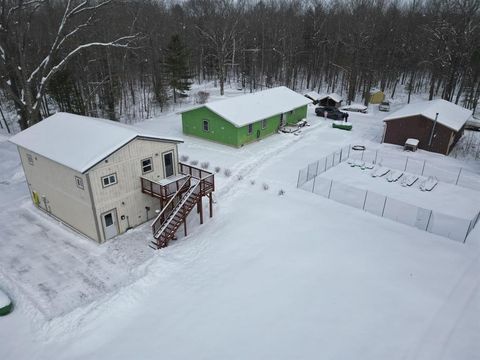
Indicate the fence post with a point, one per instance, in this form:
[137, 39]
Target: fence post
[376, 154]
[316, 171]
[330, 190]
[341, 150]
[325, 164]
[428, 222]
[406, 163]
[458, 177]
[298, 180]
[313, 186]
[363, 152]
[384, 204]
[349, 150]
[308, 172]
[423, 168]
[365, 200]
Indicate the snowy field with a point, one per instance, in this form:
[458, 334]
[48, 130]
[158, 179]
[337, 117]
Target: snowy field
[295, 276]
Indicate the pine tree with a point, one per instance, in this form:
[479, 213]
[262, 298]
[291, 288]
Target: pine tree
[177, 66]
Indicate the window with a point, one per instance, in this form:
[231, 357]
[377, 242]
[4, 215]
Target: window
[109, 180]
[79, 182]
[250, 128]
[147, 165]
[108, 219]
[30, 159]
[264, 123]
[206, 125]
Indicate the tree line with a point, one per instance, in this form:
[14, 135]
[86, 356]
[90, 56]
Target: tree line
[128, 59]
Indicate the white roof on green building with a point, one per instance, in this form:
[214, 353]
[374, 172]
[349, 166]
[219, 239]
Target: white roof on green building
[79, 142]
[449, 114]
[250, 108]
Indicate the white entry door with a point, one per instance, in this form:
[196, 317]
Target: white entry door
[110, 228]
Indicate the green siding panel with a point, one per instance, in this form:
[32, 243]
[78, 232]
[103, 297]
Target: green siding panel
[220, 130]
[258, 133]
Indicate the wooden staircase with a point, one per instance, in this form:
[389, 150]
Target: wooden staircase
[175, 212]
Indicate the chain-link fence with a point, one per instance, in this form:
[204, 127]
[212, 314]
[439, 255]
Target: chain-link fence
[320, 166]
[435, 222]
[445, 173]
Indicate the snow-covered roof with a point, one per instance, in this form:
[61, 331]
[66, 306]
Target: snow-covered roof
[334, 96]
[250, 108]
[79, 142]
[449, 114]
[313, 95]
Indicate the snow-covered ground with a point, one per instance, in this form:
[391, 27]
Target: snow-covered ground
[292, 276]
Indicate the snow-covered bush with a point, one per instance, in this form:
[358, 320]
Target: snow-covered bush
[194, 162]
[265, 186]
[184, 158]
[205, 165]
[217, 169]
[201, 97]
[239, 177]
[227, 172]
[281, 192]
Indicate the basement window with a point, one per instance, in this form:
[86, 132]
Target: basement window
[206, 125]
[30, 159]
[109, 180]
[147, 165]
[250, 129]
[79, 182]
[264, 124]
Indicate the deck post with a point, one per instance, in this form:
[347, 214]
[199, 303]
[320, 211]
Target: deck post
[200, 208]
[210, 204]
[184, 221]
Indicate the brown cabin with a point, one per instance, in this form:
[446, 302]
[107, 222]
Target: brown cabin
[437, 124]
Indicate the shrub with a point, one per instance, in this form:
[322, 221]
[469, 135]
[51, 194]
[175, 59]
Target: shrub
[184, 158]
[194, 162]
[201, 97]
[281, 192]
[205, 165]
[265, 186]
[252, 182]
[227, 172]
[239, 177]
[217, 169]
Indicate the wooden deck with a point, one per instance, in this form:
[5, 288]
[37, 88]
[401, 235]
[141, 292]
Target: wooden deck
[177, 199]
[165, 189]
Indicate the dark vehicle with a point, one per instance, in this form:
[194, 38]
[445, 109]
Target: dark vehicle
[332, 112]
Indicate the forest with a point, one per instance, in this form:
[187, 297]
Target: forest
[130, 59]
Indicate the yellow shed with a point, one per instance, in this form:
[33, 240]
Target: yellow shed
[376, 97]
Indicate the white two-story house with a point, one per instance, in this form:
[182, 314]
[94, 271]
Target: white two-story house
[89, 173]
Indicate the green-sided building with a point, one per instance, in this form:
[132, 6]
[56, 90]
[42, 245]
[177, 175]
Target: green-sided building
[240, 120]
